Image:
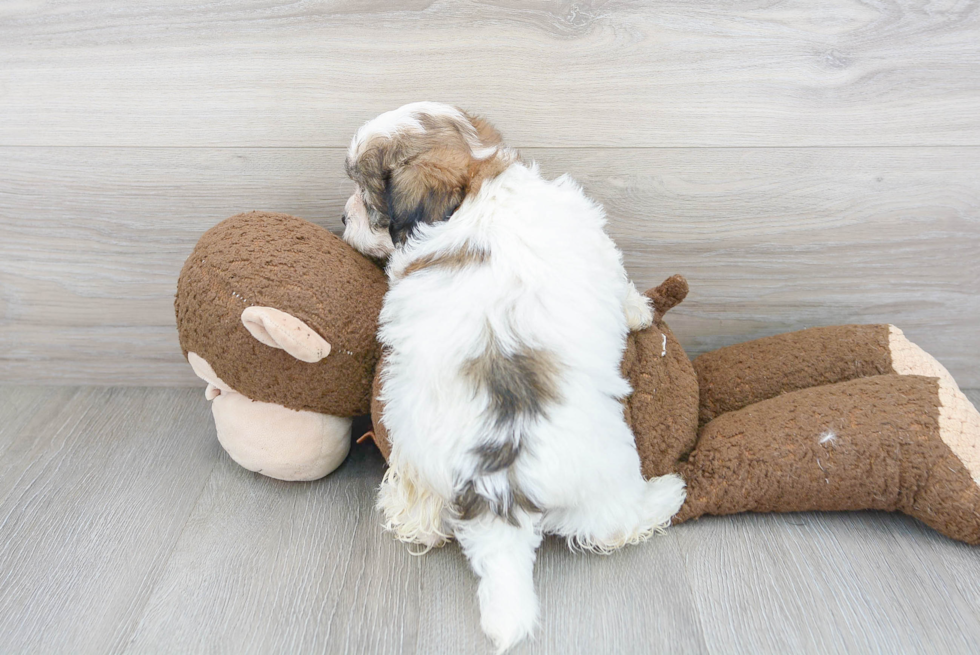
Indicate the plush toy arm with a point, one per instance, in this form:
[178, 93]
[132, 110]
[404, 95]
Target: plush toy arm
[277, 329]
[746, 373]
[667, 295]
[890, 442]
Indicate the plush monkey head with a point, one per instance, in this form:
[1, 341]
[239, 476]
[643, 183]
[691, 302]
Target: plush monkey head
[279, 316]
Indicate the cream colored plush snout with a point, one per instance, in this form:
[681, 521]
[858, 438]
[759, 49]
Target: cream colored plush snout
[271, 439]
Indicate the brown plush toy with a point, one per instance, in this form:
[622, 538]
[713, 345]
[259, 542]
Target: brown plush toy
[836, 418]
[279, 317]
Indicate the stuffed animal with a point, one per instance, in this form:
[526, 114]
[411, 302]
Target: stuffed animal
[836, 418]
[279, 317]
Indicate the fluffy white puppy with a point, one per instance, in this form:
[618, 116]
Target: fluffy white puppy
[503, 330]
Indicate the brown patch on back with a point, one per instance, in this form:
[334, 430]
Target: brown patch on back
[454, 261]
[519, 384]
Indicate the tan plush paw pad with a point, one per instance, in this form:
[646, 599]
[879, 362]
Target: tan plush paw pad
[909, 359]
[959, 426]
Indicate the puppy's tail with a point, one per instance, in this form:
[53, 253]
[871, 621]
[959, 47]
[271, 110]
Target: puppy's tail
[502, 556]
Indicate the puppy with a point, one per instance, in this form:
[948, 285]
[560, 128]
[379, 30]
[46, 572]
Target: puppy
[503, 328]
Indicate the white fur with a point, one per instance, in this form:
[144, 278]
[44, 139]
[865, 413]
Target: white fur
[829, 436]
[406, 118]
[639, 315]
[358, 232]
[553, 281]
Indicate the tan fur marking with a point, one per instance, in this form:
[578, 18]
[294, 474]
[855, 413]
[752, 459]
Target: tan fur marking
[454, 261]
[486, 169]
[426, 174]
[520, 384]
[487, 133]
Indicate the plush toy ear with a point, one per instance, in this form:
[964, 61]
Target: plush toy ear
[278, 329]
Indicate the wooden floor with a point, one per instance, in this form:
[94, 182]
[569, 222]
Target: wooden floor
[124, 528]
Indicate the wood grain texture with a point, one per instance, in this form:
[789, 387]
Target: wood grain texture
[552, 73]
[95, 487]
[856, 582]
[771, 239]
[266, 566]
[125, 528]
[637, 600]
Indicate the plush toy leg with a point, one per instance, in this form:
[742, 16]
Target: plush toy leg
[891, 442]
[739, 375]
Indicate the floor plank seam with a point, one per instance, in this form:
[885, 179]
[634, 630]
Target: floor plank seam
[165, 561]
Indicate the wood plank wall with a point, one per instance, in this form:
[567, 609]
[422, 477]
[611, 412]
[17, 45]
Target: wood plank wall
[801, 163]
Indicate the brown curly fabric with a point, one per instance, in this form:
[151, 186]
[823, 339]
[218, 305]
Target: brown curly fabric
[276, 260]
[732, 378]
[663, 409]
[667, 295]
[870, 443]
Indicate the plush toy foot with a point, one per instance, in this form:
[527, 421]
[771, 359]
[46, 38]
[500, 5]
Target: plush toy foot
[890, 442]
[906, 358]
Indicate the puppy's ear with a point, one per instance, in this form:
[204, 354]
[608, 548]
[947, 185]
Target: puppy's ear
[426, 189]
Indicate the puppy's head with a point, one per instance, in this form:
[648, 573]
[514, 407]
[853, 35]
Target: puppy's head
[412, 166]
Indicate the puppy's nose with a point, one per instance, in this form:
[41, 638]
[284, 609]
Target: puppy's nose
[343, 218]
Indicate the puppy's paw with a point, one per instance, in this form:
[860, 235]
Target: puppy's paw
[412, 513]
[507, 617]
[663, 498]
[639, 313]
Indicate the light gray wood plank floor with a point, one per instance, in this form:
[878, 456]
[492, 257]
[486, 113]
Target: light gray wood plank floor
[125, 528]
